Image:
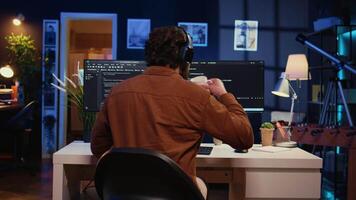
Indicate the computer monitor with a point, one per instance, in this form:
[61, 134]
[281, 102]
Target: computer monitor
[101, 75]
[244, 79]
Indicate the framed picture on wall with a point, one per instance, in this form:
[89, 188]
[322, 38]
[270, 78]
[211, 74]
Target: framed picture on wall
[198, 32]
[50, 33]
[245, 35]
[137, 33]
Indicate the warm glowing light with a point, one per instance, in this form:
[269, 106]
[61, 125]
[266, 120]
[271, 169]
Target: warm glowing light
[297, 67]
[6, 71]
[16, 22]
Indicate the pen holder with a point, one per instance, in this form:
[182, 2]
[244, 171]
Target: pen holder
[281, 134]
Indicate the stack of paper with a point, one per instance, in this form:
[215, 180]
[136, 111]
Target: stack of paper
[271, 149]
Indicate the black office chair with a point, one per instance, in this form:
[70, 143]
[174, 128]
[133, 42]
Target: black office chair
[20, 128]
[140, 174]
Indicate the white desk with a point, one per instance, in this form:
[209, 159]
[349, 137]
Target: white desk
[253, 175]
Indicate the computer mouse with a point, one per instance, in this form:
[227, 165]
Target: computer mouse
[241, 150]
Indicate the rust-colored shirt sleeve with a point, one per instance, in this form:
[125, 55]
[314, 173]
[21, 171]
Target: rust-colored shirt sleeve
[226, 120]
[101, 138]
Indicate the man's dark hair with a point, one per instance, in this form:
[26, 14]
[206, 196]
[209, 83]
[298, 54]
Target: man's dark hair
[164, 45]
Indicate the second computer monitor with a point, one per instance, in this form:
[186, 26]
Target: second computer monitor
[244, 79]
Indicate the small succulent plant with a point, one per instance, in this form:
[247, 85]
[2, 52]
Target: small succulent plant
[267, 125]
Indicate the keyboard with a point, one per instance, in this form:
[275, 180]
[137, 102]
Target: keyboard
[205, 150]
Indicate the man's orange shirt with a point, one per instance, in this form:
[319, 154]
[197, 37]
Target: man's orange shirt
[159, 110]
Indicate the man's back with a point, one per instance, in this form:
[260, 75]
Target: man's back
[158, 110]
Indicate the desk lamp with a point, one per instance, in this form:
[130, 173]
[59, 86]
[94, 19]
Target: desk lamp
[297, 68]
[282, 89]
[17, 21]
[6, 71]
[6, 74]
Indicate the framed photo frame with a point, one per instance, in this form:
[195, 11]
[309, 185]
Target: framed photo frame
[137, 33]
[50, 33]
[198, 32]
[245, 35]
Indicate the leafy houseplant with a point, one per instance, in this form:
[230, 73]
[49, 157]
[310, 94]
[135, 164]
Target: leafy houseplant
[75, 94]
[267, 129]
[22, 56]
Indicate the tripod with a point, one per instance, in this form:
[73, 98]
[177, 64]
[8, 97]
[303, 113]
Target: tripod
[328, 114]
[334, 86]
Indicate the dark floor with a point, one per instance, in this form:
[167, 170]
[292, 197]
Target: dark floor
[26, 183]
[36, 183]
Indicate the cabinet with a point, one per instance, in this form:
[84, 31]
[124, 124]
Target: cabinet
[49, 93]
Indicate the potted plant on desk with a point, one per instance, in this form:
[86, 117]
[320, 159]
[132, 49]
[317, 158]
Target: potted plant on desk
[267, 129]
[75, 94]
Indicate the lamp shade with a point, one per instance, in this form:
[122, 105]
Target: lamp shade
[282, 87]
[6, 71]
[297, 67]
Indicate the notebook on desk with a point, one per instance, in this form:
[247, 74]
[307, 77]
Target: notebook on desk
[204, 150]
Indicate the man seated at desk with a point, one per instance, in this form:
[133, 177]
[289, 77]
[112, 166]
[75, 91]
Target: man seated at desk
[161, 110]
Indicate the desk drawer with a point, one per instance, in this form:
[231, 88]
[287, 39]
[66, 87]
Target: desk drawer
[212, 175]
[283, 183]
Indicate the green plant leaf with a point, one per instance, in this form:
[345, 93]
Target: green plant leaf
[268, 125]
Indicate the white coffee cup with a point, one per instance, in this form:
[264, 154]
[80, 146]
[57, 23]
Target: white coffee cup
[199, 79]
[217, 141]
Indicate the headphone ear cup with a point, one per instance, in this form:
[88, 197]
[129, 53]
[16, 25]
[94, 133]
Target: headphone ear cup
[189, 53]
[182, 53]
[186, 51]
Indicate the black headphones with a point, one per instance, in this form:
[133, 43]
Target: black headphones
[186, 52]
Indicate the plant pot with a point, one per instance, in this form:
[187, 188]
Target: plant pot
[86, 132]
[266, 136]
[88, 119]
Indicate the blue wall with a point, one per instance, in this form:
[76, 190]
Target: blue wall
[279, 22]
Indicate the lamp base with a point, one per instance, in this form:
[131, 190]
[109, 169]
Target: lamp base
[290, 144]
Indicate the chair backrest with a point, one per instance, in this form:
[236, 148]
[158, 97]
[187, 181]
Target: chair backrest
[140, 174]
[24, 118]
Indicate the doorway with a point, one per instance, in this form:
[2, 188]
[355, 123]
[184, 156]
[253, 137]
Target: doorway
[83, 36]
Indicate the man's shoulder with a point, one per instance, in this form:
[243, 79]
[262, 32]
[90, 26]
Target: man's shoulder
[192, 90]
[127, 83]
[176, 87]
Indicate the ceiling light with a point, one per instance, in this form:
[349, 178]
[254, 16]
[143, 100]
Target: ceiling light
[17, 21]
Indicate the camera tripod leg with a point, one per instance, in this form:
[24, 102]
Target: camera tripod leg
[326, 103]
[345, 104]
